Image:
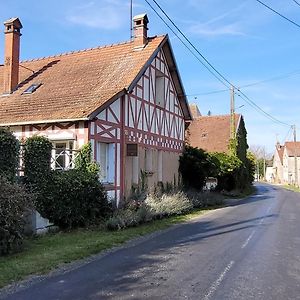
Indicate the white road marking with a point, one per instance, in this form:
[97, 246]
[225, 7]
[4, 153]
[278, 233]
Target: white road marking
[269, 209]
[217, 283]
[248, 239]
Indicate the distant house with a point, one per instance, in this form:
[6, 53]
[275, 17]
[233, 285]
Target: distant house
[213, 133]
[126, 99]
[278, 164]
[291, 156]
[286, 161]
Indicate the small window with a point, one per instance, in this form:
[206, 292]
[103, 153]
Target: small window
[62, 155]
[160, 89]
[32, 88]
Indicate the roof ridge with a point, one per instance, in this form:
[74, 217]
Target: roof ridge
[84, 50]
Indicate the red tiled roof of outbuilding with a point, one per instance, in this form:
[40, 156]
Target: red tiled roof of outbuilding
[293, 148]
[211, 133]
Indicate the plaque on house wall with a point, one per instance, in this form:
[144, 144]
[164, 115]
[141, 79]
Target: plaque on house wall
[132, 149]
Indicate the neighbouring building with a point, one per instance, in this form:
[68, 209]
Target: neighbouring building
[291, 157]
[285, 163]
[213, 133]
[278, 164]
[126, 99]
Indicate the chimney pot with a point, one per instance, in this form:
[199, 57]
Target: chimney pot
[140, 31]
[12, 33]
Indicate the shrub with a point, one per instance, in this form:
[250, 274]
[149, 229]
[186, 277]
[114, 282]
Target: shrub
[9, 154]
[83, 160]
[14, 202]
[125, 218]
[194, 166]
[204, 199]
[76, 198]
[169, 204]
[37, 159]
[229, 171]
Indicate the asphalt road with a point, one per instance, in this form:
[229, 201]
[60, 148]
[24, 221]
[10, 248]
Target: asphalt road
[248, 250]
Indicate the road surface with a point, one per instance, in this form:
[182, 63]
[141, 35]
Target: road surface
[248, 250]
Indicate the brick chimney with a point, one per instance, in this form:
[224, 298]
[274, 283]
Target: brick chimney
[140, 31]
[11, 54]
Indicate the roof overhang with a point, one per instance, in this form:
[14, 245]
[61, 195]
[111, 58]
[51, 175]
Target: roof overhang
[42, 122]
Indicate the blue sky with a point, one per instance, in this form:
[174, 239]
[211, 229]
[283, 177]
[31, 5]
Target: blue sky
[242, 39]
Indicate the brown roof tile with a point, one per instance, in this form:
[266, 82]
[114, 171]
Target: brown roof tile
[292, 148]
[211, 133]
[74, 84]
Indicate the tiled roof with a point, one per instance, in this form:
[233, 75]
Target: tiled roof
[211, 133]
[74, 85]
[292, 148]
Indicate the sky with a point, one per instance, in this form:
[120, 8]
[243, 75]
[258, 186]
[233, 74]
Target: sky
[243, 40]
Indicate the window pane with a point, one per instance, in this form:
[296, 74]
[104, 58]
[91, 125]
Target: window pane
[102, 160]
[60, 161]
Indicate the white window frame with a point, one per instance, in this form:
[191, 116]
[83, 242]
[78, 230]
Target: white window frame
[160, 89]
[69, 147]
[109, 176]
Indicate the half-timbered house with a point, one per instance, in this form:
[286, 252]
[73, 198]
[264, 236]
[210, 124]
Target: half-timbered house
[126, 99]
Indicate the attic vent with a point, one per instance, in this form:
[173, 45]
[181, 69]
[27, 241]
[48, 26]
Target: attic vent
[32, 88]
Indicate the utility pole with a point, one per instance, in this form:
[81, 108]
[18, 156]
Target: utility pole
[295, 156]
[232, 113]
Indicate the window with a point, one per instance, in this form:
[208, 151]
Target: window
[62, 155]
[32, 88]
[160, 89]
[106, 160]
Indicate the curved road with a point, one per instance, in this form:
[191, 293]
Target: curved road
[247, 250]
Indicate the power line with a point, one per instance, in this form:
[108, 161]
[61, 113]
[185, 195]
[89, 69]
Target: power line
[190, 50]
[184, 36]
[296, 2]
[278, 13]
[259, 109]
[279, 77]
[244, 96]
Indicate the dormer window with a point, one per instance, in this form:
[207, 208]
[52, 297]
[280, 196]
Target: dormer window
[32, 88]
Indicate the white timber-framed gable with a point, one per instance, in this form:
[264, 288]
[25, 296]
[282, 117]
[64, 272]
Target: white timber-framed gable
[151, 121]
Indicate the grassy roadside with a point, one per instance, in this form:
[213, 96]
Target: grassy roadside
[291, 188]
[45, 253]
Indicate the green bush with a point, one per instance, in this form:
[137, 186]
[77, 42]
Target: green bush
[75, 198]
[195, 165]
[9, 154]
[83, 160]
[229, 171]
[15, 201]
[37, 160]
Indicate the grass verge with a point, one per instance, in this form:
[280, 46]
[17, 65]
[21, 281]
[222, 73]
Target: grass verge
[45, 253]
[292, 188]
